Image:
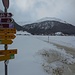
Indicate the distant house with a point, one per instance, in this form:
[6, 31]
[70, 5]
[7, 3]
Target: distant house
[59, 34]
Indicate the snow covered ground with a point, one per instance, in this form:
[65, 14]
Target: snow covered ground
[68, 41]
[37, 57]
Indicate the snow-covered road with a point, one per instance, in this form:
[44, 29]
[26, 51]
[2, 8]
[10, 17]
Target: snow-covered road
[24, 62]
[28, 61]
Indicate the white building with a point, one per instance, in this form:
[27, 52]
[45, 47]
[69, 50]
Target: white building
[59, 34]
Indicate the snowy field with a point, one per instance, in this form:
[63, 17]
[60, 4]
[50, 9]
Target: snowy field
[68, 41]
[37, 55]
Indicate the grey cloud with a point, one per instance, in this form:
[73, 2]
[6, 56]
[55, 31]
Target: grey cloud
[63, 9]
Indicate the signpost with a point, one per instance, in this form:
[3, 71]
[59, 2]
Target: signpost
[6, 52]
[7, 36]
[6, 41]
[7, 32]
[6, 15]
[7, 57]
[4, 25]
[2, 58]
[9, 20]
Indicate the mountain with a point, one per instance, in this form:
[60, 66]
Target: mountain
[50, 19]
[50, 26]
[18, 27]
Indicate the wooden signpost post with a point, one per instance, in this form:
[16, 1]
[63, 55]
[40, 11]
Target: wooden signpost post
[7, 32]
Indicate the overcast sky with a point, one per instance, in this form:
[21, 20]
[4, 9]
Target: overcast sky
[32, 10]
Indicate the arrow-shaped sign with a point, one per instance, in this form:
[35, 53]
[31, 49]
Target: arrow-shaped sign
[6, 52]
[6, 15]
[6, 41]
[6, 57]
[3, 25]
[7, 30]
[2, 58]
[6, 19]
[7, 36]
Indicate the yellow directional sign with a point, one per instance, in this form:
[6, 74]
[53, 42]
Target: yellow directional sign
[6, 41]
[7, 30]
[7, 36]
[4, 57]
[6, 52]
[7, 57]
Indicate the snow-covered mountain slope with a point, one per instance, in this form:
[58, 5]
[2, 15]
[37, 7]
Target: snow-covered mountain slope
[50, 19]
[49, 26]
